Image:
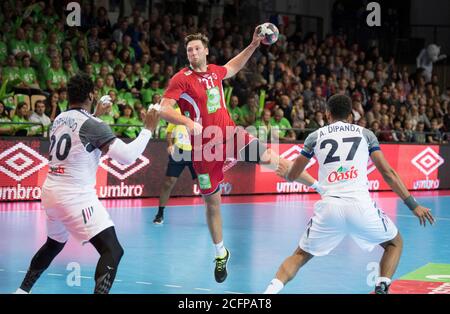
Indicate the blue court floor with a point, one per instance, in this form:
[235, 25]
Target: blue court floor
[177, 257]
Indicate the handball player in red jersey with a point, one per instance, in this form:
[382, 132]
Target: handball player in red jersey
[199, 93]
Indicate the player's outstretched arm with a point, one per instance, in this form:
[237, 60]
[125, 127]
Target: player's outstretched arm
[171, 115]
[237, 63]
[395, 182]
[127, 153]
[295, 171]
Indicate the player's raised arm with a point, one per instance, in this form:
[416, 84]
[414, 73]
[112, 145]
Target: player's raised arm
[237, 63]
[395, 182]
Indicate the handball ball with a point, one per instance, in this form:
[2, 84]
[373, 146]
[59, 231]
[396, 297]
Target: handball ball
[270, 33]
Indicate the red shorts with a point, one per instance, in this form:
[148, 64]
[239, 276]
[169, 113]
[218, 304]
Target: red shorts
[210, 168]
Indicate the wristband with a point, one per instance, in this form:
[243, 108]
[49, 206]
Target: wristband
[411, 202]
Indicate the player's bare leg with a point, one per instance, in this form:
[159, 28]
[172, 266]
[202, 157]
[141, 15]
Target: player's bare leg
[166, 190]
[288, 270]
[214, 220]
[389, 262]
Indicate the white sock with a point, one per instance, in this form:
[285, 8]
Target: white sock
[383, 279]
[275, 286]
[220, 249]
[20, 291]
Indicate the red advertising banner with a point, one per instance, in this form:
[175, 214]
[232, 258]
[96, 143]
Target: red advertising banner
[23, 168]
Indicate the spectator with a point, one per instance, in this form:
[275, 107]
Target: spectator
[131, 131]
[5, 129]
[11, 71]
[263, 126]
[21, 116]
[317, 102]
[52, 105]
[397, 133]
[375, 128]
[408, 131]
[235, 110]
[298, 111]
[39, 116]
[317, 121]
[250, 111]
[18, 46]
[62, 100]
[27, 74]
[419, 135]
[423, 117]
[38, 48]
[103, 23]
[56, 78]
[281, 127]
[435, 137]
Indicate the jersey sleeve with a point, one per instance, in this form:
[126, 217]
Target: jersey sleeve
[95, 134]
[175, 88]
[221, 71]
[371, 140]
[310, 144]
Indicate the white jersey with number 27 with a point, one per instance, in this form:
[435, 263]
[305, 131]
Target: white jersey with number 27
[342, 151]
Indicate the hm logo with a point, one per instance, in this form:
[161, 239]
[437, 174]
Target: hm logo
[74, 17]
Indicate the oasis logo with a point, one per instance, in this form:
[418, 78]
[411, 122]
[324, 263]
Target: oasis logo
[343, 174]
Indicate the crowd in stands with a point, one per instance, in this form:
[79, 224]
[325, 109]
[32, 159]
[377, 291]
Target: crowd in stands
[282, 91]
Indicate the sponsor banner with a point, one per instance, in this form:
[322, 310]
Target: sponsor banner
[24, 167]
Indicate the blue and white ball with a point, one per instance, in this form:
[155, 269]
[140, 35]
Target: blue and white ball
[270, 33]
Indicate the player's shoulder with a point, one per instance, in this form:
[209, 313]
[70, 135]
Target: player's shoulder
[212, 66]
[367, 133]
[183, 73]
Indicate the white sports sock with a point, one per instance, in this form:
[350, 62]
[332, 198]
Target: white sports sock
[220, 249]
[20, 291]
[275, 286]
[383, 279]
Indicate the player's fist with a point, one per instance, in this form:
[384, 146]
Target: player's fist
[257, 37]
[151, 119]
[104, 105]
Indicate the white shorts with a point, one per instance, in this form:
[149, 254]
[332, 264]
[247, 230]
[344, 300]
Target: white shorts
[334, 218]
[83, 217]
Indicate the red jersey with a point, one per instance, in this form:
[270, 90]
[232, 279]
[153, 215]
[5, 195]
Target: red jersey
[200, 97]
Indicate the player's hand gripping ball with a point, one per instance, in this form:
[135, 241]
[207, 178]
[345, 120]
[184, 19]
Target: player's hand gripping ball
[269, 32]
